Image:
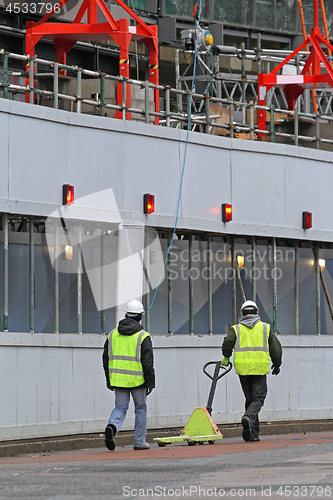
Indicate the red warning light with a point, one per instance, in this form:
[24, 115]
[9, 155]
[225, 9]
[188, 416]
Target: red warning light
[67, 194]
[226, 212]
[307, 220]
[148, 203]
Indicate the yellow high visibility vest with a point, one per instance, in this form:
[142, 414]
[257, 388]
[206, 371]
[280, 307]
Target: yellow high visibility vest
[251, 349]
[125, 368]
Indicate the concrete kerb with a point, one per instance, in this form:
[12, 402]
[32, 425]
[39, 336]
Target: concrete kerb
[86, 441]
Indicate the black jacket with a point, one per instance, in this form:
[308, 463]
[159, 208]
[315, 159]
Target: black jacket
[130, 327]
[275, 349]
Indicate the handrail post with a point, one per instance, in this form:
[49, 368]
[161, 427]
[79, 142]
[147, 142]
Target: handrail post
[79, 91]
[123, 104]
[296, 122]
[317, 132]
[31, 79]
[231, 120]
[272, 123]
[207, 101]
[146, 101]
[251, 121]
[167, 106]
[55, 85]
[5, 75]
[102, 89]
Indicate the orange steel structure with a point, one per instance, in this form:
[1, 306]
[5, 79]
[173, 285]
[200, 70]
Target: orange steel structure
[310, 77]
[65, 35]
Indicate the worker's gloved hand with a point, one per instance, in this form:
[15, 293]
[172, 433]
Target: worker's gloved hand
[109, 386]
[275, 370]
[149, 390]
[225, 361]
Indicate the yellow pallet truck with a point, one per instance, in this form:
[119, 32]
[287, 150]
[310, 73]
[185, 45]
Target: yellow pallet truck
[200, 426]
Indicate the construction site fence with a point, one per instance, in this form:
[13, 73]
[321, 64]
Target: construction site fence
[204, 122]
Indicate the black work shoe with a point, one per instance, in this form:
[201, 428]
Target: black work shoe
[144, 446]
[246, 423]
[110, 434]
[254, 438]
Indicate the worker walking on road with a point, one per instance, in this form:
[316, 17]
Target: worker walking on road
[254, 344]
[128, 363]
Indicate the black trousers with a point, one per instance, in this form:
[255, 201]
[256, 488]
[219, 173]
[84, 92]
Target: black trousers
[255, 392]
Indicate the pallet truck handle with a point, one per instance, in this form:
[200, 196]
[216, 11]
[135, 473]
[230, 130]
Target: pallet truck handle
[215, 378]
[226, 369]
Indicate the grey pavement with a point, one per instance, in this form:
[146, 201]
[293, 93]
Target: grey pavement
[294, 470]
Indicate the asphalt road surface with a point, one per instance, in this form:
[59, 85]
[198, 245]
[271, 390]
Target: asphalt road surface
[278, 467]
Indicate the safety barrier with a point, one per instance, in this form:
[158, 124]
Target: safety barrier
[206, 122]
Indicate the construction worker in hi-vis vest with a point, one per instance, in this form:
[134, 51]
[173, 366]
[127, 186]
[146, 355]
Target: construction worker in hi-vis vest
[128, 363]
[254, 344]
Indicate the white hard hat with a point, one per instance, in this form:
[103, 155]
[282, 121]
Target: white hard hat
[135, 307]
[249, 305]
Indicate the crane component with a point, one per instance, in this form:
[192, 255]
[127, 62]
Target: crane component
[64, 37]
[310, 77]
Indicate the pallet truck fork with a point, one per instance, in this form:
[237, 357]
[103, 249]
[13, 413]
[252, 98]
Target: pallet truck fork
[200, 426]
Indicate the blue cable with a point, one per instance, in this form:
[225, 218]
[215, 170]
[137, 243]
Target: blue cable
[185, 153]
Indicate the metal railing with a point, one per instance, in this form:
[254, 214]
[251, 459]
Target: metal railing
[205, 122]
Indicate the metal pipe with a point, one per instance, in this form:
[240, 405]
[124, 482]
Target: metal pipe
[251, 121]
[254, 279]
[296, 285]
[272, 124]
[234, 291]
[274, 286]
[207, 114]
[55, 85]
[102, 281]
[178, 82]
[231, 120]
[190, 276]
[79, 90]
[167, 106]
[218, 83]
[31, 80]
[240, 284]
[327, 295]
[317, 269]
[189, 101]
[147, 264]
[169, 287]
[210, 285]
[31, 276]
[147, 101]
[243, 78]
[5, 75]
[79, 279]
[259, 53]
[296, 122]
[56, 277]
[317, 131]
[5, 272]
[123, 104]
[102, 99]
